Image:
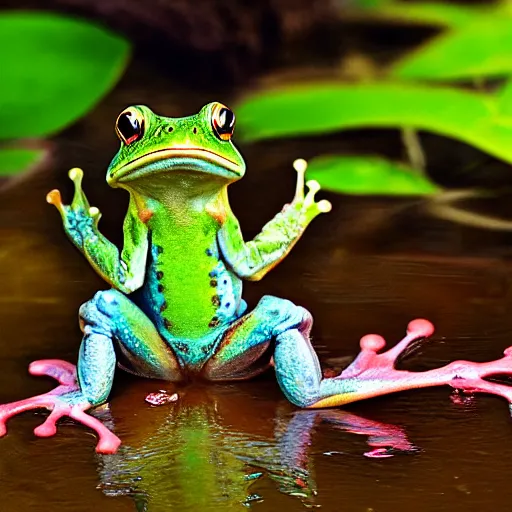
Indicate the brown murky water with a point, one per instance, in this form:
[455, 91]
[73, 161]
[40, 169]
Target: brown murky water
[360, 269]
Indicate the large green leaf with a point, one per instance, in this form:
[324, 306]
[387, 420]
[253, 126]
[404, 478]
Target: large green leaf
[479, 49]
[432, 13]
[365, 175]
[16, 160]
[318, 108]
[505, 99]
[371, 4]
[53, 70]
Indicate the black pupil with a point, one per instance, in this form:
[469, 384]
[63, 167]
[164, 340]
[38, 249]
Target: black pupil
[226, 121]
[129, 127]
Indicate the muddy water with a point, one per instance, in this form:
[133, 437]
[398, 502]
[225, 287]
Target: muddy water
[363, 268]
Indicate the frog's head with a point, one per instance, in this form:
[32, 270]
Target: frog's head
[153, 146]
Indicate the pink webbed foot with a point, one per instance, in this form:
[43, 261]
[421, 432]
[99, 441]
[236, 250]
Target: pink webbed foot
[64, 400]
[378, 376]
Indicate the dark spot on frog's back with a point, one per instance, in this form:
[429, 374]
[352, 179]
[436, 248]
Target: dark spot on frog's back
[209, 252]
[182, 347]
[213, 283]
[216, 300]
[208, 348]
[214, 322]
[167, 323]
[159, 275]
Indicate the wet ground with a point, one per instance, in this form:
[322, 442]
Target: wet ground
[369, 266]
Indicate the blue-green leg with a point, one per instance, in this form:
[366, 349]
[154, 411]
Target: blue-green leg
[111, 320]
[371, 374]
[245, 349]
[297, 368]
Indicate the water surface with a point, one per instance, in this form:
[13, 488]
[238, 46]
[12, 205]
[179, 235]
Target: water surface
[362, 268]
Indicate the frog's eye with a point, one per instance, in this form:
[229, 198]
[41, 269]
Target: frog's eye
[130, 126]
[223, 121]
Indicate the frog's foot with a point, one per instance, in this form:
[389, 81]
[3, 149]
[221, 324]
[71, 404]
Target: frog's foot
[373, 374]
[65, 400]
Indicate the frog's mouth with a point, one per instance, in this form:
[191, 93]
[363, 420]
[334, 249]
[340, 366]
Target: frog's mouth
[190, 158]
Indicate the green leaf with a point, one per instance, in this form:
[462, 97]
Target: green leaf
[365, 175]
[53, 70]
[505, 99]
[433, 13]
[14, 161]
[480, 49]
[371, 4]
[323, 107]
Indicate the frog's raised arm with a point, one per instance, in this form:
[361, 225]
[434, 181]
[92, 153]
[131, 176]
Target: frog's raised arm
[252, 260]
[124, 272]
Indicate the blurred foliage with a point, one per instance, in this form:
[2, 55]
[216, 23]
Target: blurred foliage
[332, 106]
[15, 160]
[479, 49]
[444, 14]
[474, 45]
[54, 70]
[366, 175]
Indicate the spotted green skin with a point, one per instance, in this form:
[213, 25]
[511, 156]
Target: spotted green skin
[175, 308]
[187, 290]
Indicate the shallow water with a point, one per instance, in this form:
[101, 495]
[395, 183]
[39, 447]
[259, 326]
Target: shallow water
[369, 266]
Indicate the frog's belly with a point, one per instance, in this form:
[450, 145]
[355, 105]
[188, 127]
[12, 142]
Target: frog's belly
[190, 299]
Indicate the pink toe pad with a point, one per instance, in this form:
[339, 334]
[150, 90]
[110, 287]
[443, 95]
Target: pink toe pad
[55, 401]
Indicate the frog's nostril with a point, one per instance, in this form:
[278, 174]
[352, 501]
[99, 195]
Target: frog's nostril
[194, 130]
[170, 129]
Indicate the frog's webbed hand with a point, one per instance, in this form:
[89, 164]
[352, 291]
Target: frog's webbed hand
[303, 209]
[252, 260]
[80, 220]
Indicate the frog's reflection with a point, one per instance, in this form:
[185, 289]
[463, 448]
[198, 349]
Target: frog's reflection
[218, 447]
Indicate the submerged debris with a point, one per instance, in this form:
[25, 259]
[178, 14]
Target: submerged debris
[162, 397]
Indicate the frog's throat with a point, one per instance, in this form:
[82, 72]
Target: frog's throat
[139, 166]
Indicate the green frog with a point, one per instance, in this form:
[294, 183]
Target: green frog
[174, 309]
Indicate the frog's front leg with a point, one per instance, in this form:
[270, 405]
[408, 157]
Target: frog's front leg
[252, 260]
[124, 272]
[108, 318]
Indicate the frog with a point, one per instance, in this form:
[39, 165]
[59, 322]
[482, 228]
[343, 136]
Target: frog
[174, 309]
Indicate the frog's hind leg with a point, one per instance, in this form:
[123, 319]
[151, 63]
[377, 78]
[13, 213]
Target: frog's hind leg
[108, 318]
[372, 374]
[114, 325]
[245, 348]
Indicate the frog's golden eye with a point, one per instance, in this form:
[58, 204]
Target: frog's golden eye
[130, 126]
[223, 121]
